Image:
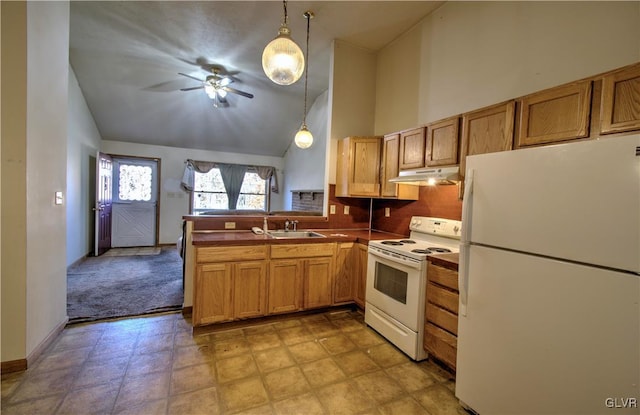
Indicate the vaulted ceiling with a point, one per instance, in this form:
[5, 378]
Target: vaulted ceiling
[127, 56]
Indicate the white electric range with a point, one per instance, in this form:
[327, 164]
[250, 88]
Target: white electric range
[397, 281]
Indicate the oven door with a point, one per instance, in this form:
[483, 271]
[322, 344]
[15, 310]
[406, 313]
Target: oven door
[396, 285]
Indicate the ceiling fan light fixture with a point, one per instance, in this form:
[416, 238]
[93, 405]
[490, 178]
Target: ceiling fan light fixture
[303, 138]
[282, 58]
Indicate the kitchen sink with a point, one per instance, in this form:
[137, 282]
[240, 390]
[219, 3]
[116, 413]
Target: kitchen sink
[294, 234]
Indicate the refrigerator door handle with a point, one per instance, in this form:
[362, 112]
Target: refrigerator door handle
[463, 278]
[466, 207]
[463, 269]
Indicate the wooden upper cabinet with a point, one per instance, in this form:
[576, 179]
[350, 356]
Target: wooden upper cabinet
[556, 114]
[412, 148]
[487, 130]
[442, 142]
[621, 100]
[358, 168]
[389, 169]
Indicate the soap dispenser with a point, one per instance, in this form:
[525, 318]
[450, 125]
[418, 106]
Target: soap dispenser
[265, 226]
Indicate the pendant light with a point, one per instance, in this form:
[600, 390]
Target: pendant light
[304, 138]
[282, 58]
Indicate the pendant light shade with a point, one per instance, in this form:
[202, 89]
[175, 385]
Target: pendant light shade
[303, 138]
[282, 58]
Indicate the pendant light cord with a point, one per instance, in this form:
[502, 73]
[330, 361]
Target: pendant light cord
[284, 6]
[308, 15]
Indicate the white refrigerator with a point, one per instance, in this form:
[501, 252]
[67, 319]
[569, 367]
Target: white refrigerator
[549, 280]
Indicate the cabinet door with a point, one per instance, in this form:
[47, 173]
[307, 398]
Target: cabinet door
[487, 131]
[285, 286]
[442, 143]
[345, 268]
[621, 101]
[318, 282]
[365, 173]
[361, 274]
[557, 114]
[249, 289]
[412, 148]
[212, 302]
[389, 170]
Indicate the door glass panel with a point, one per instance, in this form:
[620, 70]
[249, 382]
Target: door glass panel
[135, 183]
[391, 281]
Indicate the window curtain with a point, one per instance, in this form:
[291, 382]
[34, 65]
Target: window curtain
[232, 177]
[268, 173]
[191, 167]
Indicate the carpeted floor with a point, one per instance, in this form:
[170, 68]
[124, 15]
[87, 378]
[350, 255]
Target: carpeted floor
[112, 286]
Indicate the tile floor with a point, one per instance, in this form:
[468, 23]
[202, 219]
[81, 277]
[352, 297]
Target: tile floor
[328, 363]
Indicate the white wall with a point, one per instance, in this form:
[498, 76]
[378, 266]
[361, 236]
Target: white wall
[352, 97]
[47, 92]
[174, 202]
[473, 54]
[83, 143]
[34, 279]
[14, 180]
[304, 169]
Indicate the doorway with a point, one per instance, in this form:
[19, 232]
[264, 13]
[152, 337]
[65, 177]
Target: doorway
[135, 202]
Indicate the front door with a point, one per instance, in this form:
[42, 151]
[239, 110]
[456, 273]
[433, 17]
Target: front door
[135, 195]
[104, 175]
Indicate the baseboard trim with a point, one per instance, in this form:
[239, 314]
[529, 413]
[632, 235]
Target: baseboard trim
[186, 311]
[23, 364]
[12, 366]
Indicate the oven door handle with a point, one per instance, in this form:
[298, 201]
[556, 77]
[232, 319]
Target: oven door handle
[395, 260]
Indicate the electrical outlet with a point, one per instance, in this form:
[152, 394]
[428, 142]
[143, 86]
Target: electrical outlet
[58, 198]
[346, 210]
[332, 209]
[229, 225]
[387, 212]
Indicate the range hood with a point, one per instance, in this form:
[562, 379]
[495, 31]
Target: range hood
[429, 176]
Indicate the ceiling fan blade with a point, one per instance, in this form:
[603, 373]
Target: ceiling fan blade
[192, 77]
[235, 91]
[192, 88]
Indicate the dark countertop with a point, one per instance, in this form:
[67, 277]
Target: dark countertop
[449, 261]
[246, 237]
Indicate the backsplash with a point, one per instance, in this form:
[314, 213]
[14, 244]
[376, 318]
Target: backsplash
[435, 201]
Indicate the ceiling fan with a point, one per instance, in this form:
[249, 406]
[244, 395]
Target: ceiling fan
[216, 86]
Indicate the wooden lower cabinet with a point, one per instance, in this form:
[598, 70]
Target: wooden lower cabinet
[441, 314]
[212, 302]
[318, 282]
[345, 268]
[249, 287]
[285, 286]
[228, 291]
[360, 274]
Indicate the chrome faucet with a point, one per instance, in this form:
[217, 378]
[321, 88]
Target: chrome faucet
[295, 225]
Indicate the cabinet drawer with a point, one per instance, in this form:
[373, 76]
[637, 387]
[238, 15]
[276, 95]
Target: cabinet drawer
[441, 345]
[442, 297]
[445, 277]
[302, 250]
[442, 318]
[231, 253]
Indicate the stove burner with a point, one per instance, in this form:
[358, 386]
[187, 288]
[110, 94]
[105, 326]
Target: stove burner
[394, 243]
[407, 241]
[421, 251]
[439, 250]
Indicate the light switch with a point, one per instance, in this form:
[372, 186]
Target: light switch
[58, 198]
[387, 212]
[332, 209]
[346, 210]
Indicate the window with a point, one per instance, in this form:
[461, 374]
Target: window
[134, 183]
[209, 192]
